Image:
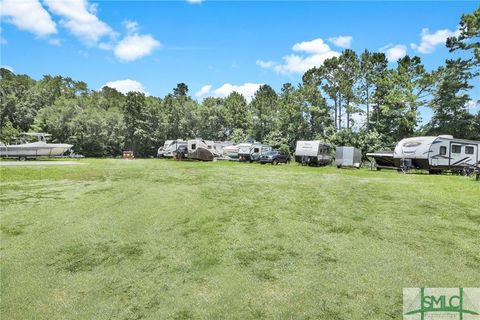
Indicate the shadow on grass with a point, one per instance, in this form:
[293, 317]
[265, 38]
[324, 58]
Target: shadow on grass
[81, 257]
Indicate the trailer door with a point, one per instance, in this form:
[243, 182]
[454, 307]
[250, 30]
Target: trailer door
[439, 154]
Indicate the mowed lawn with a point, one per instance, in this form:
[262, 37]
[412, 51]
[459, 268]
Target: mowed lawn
[160, 239]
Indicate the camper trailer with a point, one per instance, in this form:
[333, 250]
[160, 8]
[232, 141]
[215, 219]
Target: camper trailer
[169, 148]
[315, 153]
[252, 151]
[437, 154]
[348, 157]
[199, 149]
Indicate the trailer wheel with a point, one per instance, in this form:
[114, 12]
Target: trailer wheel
[22, 158]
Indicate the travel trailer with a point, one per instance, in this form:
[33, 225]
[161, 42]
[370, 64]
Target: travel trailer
[315, 153]
[437, 154]
[252, 151]
[32, 150]
[348, 157]
[199, 149]
[170, 148]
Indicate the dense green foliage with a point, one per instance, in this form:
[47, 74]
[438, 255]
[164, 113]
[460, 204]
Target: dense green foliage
[160, 239]
[357, 100]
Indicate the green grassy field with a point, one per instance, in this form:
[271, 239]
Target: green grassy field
[159, 239]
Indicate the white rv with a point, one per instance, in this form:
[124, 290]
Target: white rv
[437, 154]
[200, 149]
[317, 153]
[170, 148]
[252, 151]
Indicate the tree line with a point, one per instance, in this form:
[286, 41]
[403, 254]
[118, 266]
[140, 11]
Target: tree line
[353, 99]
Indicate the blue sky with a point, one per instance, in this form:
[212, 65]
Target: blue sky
[214, 46]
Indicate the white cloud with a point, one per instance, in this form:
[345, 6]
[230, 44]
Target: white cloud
[394, 52]
[247, 90]
[341, 41]
[28, 15]
[131, 26]
[298, 64]
[125, 86]
[195, 1]
[135, 46]
[314, 46]
[265, 64]
[430, 40]
[203, 91]
[80, 18]
[8, 68]
[317, 51]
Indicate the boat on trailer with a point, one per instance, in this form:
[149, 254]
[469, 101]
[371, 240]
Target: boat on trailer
[383, 159]
[33, 150]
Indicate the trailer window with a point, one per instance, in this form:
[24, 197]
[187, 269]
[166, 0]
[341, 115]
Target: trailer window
[469, 150]
[256, 150]
[194, 146]
[443, 150]
[456, 148]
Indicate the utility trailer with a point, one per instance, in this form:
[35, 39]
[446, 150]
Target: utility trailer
[348, 157]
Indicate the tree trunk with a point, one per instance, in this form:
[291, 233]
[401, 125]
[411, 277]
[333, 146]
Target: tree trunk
[368, 109]
[339, 111]
[335, 118]
[348, 113]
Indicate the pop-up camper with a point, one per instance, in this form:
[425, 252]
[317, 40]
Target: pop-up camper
[316, 153]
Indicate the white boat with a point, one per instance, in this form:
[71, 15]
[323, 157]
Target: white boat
[36, 149]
